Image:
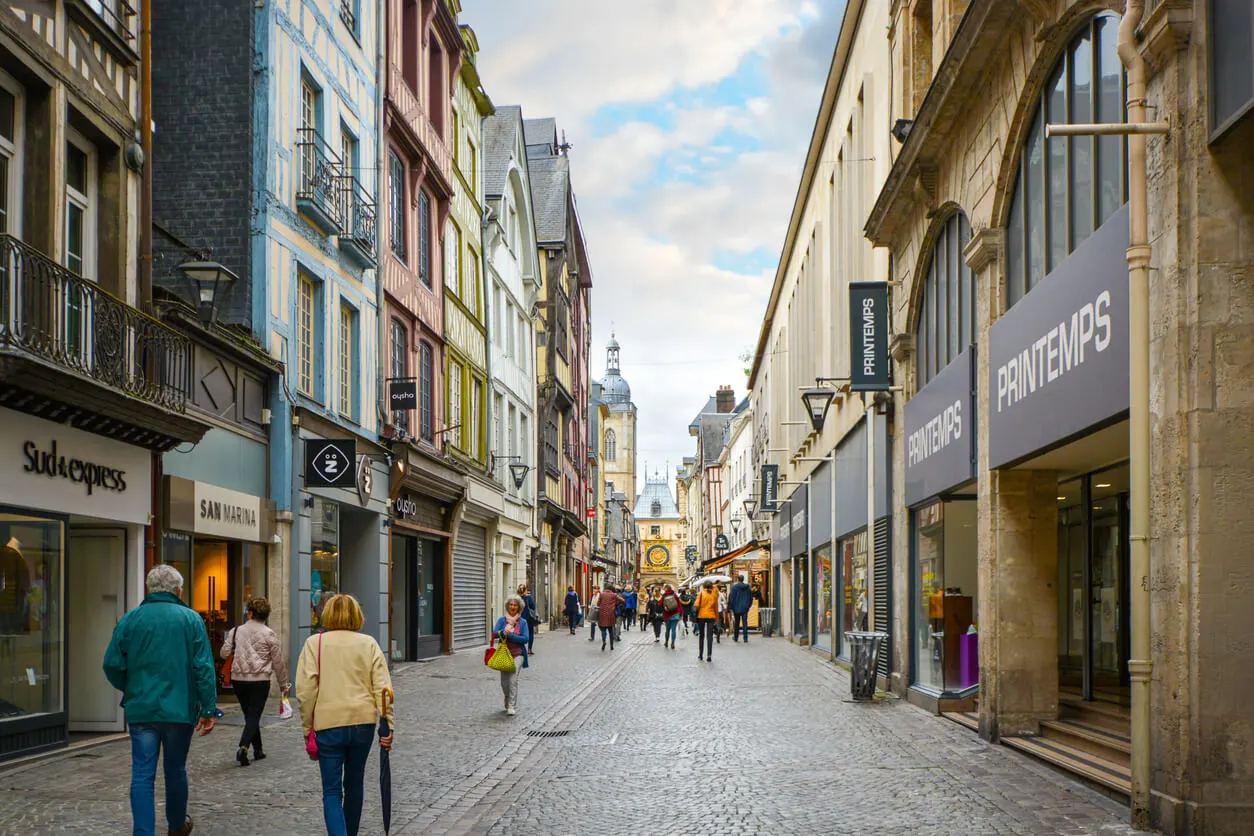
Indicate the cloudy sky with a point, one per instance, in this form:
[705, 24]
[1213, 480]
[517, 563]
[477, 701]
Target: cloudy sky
[689, 121]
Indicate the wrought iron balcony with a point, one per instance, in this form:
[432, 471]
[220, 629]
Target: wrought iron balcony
[70, 348]
[318, 190]
[357, 216]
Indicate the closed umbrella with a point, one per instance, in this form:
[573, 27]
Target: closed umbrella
[385, 763]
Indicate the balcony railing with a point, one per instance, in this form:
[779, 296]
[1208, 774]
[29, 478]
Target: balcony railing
[318, 190]
[50, 313]
[357, 216]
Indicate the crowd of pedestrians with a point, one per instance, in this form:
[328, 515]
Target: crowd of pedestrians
[160, 658]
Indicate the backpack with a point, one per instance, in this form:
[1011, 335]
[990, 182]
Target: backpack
[670, 603]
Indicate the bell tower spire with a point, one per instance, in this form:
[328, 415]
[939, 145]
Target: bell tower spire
[611, 356]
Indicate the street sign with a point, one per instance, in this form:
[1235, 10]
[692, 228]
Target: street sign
[402, 394]
[769, 502]
[592, 512]
[329, 463]
[868, 334]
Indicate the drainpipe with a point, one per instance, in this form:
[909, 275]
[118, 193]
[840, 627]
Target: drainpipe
[380, 302]
[1139, 665]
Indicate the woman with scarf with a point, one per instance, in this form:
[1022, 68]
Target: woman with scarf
[513, 629]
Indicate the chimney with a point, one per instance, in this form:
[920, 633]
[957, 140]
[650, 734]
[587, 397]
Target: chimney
[725, 400]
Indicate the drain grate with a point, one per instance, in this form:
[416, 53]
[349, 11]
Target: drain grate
[539, 733]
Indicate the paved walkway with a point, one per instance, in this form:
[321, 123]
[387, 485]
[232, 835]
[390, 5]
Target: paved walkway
[643, 739]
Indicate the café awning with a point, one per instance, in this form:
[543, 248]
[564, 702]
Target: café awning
[722, 560]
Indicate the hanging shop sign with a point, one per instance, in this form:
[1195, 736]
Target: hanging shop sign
[53, 467]
[940, 431]
[364, 479]
[868, 330]
[1058, 359]
[769, 502]
[721, 543]
[329, 462]
[402, 394]
[213, 511]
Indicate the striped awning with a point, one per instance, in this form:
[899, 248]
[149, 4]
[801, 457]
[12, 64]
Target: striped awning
[724, 559]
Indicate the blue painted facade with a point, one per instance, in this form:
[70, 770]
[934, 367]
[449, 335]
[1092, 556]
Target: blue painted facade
[316, 104]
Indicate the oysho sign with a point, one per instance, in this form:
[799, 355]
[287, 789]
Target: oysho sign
[1058, 359]
[868, 330]
[940, 431]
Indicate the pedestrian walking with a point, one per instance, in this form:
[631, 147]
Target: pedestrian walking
[740, 601]
[689, 603]
[340, 680]
[672, 609]
[159, 658]
[592, 612]
[707, 617]
[572, 608]
[629, 608]
[607, 604]
[255, 656]
[653, 611]
[514, 630]
[643, 610]
[531, 614]
[721, 627]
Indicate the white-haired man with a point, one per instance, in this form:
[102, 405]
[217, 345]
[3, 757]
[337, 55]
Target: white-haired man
[160, 659]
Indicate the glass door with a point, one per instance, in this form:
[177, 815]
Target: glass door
[1108, 646]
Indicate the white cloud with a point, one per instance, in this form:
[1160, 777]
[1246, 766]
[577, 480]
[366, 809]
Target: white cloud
[663, 200]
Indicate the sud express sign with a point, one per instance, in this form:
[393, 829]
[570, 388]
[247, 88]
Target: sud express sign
[79, 471]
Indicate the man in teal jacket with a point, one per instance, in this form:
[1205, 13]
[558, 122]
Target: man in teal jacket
[159, 658]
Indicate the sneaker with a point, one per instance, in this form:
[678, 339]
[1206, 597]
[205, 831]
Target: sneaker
[711, 659]
[510, 711]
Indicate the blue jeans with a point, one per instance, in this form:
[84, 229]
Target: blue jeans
[740, 623]
[607, 631]
[342, 755]
[147, 740]
[672, 625]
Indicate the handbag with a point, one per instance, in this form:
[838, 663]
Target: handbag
[488, 651]
[502, 660]
[230, 660]
[311, 740]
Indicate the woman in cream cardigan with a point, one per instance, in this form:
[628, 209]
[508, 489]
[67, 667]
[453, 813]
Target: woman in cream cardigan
[340, 682]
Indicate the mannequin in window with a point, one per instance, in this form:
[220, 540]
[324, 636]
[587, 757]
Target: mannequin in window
[14, 589]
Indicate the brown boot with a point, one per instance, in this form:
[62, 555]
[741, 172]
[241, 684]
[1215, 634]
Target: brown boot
[185, 829]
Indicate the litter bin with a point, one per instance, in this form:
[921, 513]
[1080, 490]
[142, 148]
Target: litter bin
[864, 653]
[766, 621]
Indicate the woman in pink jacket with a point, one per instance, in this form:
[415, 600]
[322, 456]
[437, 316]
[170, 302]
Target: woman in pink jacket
[607, 602]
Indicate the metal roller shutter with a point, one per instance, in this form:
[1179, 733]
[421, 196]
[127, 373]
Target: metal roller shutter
[884, 591]
[470, 586]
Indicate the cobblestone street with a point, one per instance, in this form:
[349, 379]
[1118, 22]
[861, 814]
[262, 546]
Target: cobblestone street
[760, 741]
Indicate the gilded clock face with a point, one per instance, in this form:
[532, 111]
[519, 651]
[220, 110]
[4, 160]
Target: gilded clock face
[658, 556]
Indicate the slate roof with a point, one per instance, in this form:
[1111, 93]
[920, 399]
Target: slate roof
[550, 185]
[659, 492]
[710, 406]
[540, 135]
[714, 436]
[500, 133]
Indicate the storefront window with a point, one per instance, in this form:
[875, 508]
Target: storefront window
[946, 643]
[823, 598]
[252, 574]
[176, 550]
[210, 590]
[324, 580]
[31, 640]
[855, 605]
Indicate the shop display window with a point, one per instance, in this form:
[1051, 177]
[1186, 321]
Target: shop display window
[32, 556]
[822, 587]
[855, 602]
[324, 564]
[946, 644]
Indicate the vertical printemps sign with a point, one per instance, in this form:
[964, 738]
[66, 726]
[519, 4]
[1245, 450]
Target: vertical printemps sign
[868, 336]
[769, 496]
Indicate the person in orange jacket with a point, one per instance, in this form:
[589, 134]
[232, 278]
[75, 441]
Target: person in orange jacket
[707, 619]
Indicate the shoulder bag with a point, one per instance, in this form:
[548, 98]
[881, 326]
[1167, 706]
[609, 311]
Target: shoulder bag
[502, 659]
[230, 660]
[311, 741]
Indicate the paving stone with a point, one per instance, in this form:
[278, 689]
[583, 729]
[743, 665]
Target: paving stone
[763, 740]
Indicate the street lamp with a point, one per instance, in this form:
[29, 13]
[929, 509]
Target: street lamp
[817, 401]
[518, 471]
[736, 526]
[751, 507]
[211, 280]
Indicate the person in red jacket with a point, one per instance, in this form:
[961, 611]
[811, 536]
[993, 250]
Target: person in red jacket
[607, 603]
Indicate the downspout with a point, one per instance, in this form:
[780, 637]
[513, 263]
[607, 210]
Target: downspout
[152, 533]
[381, 345]
[1139, 665]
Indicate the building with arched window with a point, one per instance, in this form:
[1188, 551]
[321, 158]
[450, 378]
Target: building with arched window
[1012, 495]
